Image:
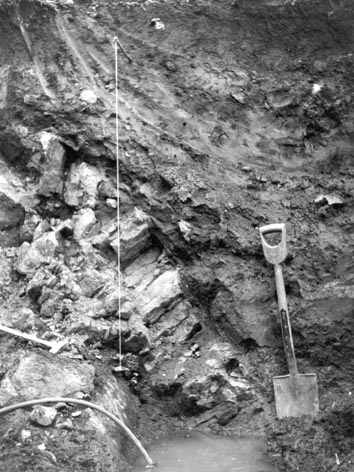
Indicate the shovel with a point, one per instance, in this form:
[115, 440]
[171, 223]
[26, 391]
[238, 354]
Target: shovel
[295, 394]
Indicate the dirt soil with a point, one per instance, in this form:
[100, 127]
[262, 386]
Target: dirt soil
[233, 114]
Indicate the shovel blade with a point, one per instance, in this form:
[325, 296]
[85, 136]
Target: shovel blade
[296, 396]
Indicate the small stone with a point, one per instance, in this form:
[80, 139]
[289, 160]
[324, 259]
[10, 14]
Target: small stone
[316, 88]
[330, 199]
[238, 97]
[111, 203]
[25, 434]
[185, 229]
[43, 415]
[65, 424]
[88, 96]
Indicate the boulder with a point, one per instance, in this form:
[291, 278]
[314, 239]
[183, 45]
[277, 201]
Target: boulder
[173, 319]
[51, 302]
[204, 392]
[91, 281]
[12, 214]
[111, 303]
[187, 329]
[179, 324]
[29, 225]
[84, 220]
[41, 251]
[89, 307]
[19, 318]
[81, 186]
[159, 296]
[142, 271]
[134, 236]
[52, 166]
[45, 375]
[138, 338]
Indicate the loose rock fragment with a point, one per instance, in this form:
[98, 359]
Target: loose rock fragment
[43, 415]
[330, 199]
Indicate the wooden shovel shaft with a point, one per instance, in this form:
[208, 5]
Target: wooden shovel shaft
[285, 321]
[27, 336]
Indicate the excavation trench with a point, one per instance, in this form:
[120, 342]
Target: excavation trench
[232, 115]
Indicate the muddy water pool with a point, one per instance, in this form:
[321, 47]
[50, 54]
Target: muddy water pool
[199, 452]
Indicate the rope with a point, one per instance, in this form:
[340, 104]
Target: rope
[114, 418]
[116, 43]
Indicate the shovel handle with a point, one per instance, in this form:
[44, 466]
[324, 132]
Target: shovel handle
[285, 321]
[29, 337]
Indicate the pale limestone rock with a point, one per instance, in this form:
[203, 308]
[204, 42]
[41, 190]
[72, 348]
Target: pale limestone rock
[88, 96]
[41, 251]
[208, 390]
[43, 415]
[18, 318]
[84, 220]
[134, 235]
[51, 169]
[92, 280]
[159, 296]
[170, 323]
[89, 307]
[142, 271]
[81, 187]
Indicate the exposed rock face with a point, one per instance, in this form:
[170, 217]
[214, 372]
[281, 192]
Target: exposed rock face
[134, 235]
[33, 378]
[211, 148]
[158, 296]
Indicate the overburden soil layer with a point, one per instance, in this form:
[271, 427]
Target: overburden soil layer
[232, 115]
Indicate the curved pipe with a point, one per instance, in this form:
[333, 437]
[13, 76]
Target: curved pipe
[114, 418]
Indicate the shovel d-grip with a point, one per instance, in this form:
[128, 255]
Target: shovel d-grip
[278, 253]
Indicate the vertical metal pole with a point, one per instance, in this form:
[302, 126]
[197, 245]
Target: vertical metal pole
[115, 40]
